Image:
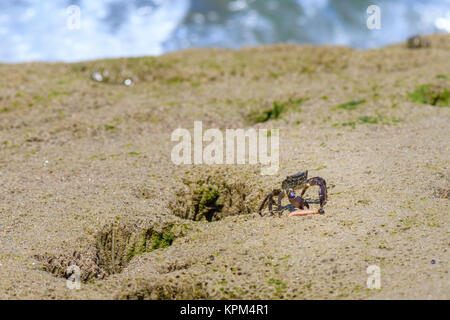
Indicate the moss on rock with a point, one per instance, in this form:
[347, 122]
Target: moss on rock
[433, 94]
[212, 196]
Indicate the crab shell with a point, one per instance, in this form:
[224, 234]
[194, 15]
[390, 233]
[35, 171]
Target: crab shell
[293, 181]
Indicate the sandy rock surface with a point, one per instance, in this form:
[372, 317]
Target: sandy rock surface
[86, 176]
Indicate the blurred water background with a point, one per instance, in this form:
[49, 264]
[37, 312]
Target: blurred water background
[45, 30]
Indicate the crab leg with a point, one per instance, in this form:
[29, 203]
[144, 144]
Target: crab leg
[280, 197]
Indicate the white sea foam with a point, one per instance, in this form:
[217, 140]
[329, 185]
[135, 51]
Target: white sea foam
[39, 30]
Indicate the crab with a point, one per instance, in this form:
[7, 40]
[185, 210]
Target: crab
[289, 185]
[417, 42]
